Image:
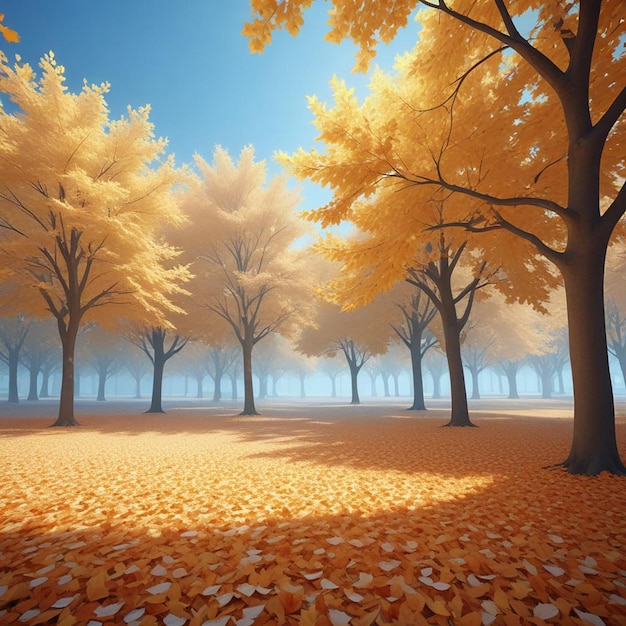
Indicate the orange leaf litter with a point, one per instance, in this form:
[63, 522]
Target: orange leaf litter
[312, 516]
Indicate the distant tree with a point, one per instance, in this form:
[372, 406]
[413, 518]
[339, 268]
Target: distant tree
[616, 307]
[39, 354]
[13, 333]
[137, 366]
[219, 360]
[101, 351]
[436, 365]
[80, 203]
[332, 367]
[154, 343]
[246, 271]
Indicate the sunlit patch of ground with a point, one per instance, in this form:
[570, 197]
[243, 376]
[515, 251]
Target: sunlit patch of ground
[326, 515]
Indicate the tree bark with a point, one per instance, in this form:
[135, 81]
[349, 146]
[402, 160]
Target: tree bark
[511, 376]
[156, 403]
[102, 381]
[33, 373]
[249, 407]
[418, 380]
[66, 402]
[354, 375]
[475, 386]
[594, 444]
[13, 366]
[217, 387]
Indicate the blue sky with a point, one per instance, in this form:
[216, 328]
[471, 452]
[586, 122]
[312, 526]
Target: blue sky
[188, 60]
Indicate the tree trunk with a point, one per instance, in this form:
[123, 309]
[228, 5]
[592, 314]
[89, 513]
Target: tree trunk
[396, 385]
[475, 387]
[217, 386]
[546, 377]
[436, 376]
[417, 378]
[511, 376]
[233, 387]
[354, 375]
[13, 365]
[33, 373]
[156, 404]
[460, 411]
[44, 390]
[333, 385]
[385, 378]
[594, 445]
[248, 387]
[102, 381]
[66, 402]
[199, 381]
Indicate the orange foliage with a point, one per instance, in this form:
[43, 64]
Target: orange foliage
[371, 518]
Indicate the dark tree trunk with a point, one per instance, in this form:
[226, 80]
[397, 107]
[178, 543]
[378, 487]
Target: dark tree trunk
[248, 386]
[13, 366]
[460, 410]
[417, 378]
[156, 403]
[354, 375]
[66, 402]
[33, 373]
[594, 445]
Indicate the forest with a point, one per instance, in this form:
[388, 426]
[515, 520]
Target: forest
[473, 247]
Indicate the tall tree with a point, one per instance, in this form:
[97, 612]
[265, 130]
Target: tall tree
[247, 271]
[481, 93]
[81, 198]
[13, 333]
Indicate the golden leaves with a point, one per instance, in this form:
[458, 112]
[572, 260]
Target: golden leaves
[8, 33]
[251, 522]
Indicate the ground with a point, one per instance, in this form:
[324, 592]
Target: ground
[308, 514]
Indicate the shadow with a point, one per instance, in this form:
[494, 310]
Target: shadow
[321, 525]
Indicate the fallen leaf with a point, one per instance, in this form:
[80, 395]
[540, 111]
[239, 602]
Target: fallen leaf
[545, 611]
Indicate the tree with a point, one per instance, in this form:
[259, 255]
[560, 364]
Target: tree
[559, 99]
[103, 352]
[80, 202]
[219, 360]
[436, 364]
[357, 334]
[13, 333]
[38, 355]
[154, 343]
[416, 314]
[137, 366]
[616, 308]
[247, 272]
[332, 367]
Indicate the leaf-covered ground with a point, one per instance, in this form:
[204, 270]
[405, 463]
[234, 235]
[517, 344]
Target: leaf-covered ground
[330, 515]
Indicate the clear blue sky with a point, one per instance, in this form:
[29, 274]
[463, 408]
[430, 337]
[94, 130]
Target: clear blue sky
[188, 60]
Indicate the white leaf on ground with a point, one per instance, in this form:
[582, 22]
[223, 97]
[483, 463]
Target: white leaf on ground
[160, 588]
[587, 570]
[335, 541]
[554, 570]
[158, 570]
[312, 575]
[555, 539]
[615, 599]
[473, 581]
[132, 569]
[545, 611]
[252, 612]
[439, 586]
[410, 546]
[427, 571]
[61, 603]
[489, 606]
[179, 572]
[29, 615]
[338, 618]
[173, 620]
[353, 596]
[189, 533]
[387, 566]
[225, 598]
[530, 568]
[107, 611]
[3, 589]
[487, 619]
[590, 617]
[328, 584]
[589, 561]
[37, 581]
[262, 590]
[426, 580]
[135, 614]
[246, 589]
[210, 591]
[357, 543]
[66, 578]
[387, 547]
